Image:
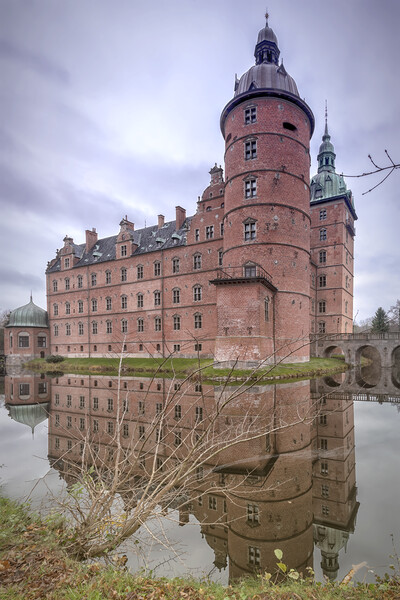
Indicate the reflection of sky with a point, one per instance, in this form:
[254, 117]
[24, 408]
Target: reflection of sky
[23, 458]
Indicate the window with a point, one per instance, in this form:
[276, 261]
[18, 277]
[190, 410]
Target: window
[81, 401]
[322, 281]
[209, 232]
[69, 422]
[175, 265]
[198, 321]
[177, 347]
[323, 419]
[199, 473]
[250, 271]
[324, 468]
[325, 491]
[94, 327]
[178, 411]
[66, 263]
[81, 423]
[322, 235]
[110, 427]
[24, 389]
[93, 279]
[110, 404]
[176, 296]
[197, 235]
[55, 330]
[124, 274]
[125, 430]
[141, 432]
[95, 404]
[124, 326]
[42, 341]
[157, 269]
[177, 322]
[250, 149]
[254, 556]
[140, 325]
[220, 255]
[321, 327]
[197, 290]
[266, 308]
[250, 115]
[197, 261]
[55, 286]
[253, 514]
[325, 510]
[140, 300]
[346, 306]
[67, 283]
[322, 214]
[178, 438]
[250, 188]
[124, 301]
[108, 303]
[95, 426]
[199, 414]
[80, 328]
[250, 231]
[157, 324]
[108, 326]
[108, 276]
[157, 298]
[322, 256]
[198, 347]
[322, 306]
[67, 308]
[159, 408]
[94, 304]
[124, 250]
[212, 502]
[55, 310]
[67, 329]
[140, 272]
[323, 444]
[69, 400]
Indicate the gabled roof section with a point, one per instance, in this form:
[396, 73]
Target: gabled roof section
[148, 239]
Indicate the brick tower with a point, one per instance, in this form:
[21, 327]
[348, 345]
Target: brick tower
[263, 287]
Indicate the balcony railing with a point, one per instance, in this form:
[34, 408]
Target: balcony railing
[244, 274]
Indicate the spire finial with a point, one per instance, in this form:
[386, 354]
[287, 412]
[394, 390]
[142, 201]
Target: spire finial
[326, 119]
[266, 15]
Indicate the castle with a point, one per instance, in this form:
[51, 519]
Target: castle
[266, 260]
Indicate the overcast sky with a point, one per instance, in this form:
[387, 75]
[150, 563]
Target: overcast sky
[111, 107]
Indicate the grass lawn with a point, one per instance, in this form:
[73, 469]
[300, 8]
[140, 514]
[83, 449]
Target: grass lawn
[184, 367]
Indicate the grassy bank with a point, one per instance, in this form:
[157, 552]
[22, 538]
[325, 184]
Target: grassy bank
[183, 367]
[34, 565]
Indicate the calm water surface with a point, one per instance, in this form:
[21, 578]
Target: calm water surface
[340, 509]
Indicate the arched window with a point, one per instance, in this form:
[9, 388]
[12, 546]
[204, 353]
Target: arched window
[197, 293]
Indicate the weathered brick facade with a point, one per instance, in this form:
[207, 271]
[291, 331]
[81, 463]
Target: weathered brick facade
[235, 280]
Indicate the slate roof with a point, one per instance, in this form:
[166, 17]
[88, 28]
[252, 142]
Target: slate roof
[148, 239]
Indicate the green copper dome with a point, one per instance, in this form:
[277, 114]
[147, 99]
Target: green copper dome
[29, 315]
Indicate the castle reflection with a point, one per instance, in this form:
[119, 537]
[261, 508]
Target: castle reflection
[281, 473]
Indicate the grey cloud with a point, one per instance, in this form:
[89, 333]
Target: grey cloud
[36, 62]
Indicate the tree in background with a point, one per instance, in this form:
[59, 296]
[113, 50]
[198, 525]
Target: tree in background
[394, 315]
[380, 322]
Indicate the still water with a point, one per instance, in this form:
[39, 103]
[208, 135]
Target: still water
[322, 483]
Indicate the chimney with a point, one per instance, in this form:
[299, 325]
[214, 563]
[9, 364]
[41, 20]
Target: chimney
[91, 238]
[125, 224]
[180, 216]
[160, 221]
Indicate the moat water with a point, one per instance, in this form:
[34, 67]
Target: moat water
[327, 491]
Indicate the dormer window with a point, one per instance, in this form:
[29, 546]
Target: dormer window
[124, 250]
[66, 263]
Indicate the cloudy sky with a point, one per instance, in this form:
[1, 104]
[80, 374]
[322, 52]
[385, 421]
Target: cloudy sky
[111, 107]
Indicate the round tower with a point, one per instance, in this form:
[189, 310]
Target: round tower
[263, 287]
